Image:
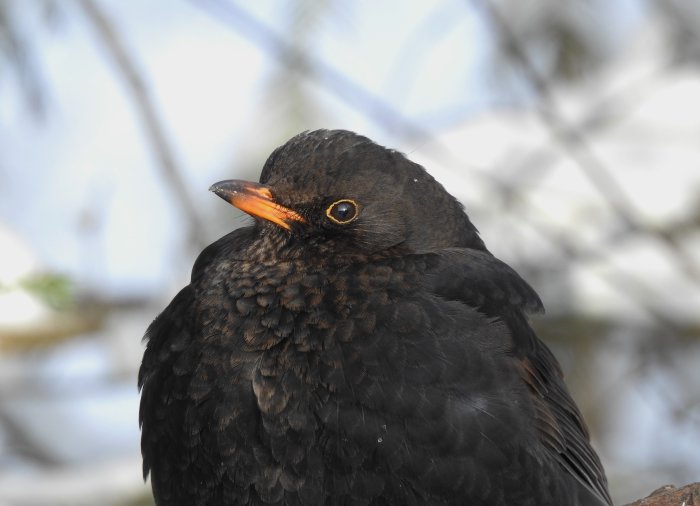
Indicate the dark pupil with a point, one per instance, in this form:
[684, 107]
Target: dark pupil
[343, 211]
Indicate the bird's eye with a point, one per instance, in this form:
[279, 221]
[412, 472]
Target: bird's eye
[342, 212]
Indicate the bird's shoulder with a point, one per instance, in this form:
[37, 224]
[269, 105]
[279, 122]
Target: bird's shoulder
[478, 279]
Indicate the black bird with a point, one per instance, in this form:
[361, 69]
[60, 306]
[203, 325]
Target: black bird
[357, 345]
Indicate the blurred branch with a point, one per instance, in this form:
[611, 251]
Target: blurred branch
[20, 55]
[632, 287]
[608, 110]
[23, 443]
[683, 19]
[576, 144]
[299, 61]
[170, 168]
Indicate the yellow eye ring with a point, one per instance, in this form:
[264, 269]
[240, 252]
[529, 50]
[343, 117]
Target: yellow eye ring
[343, 211]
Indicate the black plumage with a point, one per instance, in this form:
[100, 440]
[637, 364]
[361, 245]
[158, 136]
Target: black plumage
[357, 345]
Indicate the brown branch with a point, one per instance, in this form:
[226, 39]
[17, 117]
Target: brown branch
[152, 124]
[669, 495]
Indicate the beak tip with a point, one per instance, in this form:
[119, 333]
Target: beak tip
[222, 189]
[216, 187]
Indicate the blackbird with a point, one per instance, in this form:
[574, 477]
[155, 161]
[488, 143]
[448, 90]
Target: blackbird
[358, 344]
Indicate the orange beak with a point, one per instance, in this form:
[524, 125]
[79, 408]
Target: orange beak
[256, 200]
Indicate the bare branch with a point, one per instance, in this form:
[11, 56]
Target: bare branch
[671, 496]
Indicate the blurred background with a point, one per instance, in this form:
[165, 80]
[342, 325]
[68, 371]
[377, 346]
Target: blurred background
[570, 129]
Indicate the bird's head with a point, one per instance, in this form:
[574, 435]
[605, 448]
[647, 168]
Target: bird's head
[339, 189]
